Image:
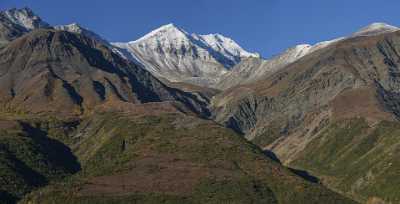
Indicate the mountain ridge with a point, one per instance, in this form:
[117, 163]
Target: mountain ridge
[76, 28]
[26, 18]
[175, 54]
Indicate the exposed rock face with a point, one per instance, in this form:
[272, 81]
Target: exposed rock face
[25, 18]
[9, 30]
[16, 22]
[76, 28]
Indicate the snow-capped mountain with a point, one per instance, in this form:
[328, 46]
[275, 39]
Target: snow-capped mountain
[251, 70]
[376, 29]
[76, 28]
[174, 54]
[25, 18]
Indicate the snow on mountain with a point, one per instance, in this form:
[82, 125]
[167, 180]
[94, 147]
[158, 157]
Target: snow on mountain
[163, 33]
[253, 69]
[76, 28]
[294, 53]
[25, 18]
[376, 29]
[324, 44]
[174, 54]
[226, 46]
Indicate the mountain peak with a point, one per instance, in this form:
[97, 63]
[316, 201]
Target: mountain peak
[25, 10]
[75, 24]
[170, 34]
[380, 25]
[25, 17]
[169, 28]
[177, 55]
[376, 28]
[168, 31]
[169, 25]
[166, 27]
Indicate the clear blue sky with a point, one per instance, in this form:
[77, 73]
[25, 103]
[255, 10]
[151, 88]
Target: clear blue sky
[264, 26]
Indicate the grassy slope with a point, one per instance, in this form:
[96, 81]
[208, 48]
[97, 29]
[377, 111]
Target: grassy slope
[157, 159]
[29, 159]
[357, 159]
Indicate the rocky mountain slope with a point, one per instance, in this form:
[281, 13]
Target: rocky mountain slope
[16, 22]
[253, 69]
[171, 53]
[76, 28]
[376, 29]
[72, 74]
[297, 112]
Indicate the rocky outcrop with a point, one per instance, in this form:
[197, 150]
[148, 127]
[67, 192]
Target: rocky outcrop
[16, 22]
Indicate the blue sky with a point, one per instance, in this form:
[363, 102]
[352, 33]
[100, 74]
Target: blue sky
[264, 26]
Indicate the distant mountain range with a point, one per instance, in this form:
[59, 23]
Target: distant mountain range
[175, 117]
[172, 53]
[214, 60]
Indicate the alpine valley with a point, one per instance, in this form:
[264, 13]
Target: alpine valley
[175, 117]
